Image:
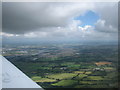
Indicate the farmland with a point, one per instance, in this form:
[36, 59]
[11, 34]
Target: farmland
[66, 65]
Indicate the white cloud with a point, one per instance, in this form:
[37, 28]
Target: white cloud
[6, 34]
[108, 21]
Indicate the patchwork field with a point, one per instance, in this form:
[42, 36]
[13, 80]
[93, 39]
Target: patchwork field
[51, 67]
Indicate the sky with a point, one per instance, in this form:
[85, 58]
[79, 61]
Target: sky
[89, 18]
[60, 21]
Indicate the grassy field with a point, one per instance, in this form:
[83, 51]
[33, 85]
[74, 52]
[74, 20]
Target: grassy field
[65, 83]
[35, 78]
[81, 72]
[43, 79]
[109, 68]
[61, 76]
[91, 86]
[81, 76]
[87, 82]
[94, 78]
[88, 72]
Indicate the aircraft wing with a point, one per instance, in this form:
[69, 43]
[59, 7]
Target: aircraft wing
[12, 77]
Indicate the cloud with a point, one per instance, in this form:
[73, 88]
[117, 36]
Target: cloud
[108, 21]
[102, 26]
[25, 17]
[56, 21]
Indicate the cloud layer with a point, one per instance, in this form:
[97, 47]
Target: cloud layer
[56, 20]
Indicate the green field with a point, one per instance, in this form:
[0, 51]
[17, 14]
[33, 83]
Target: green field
[61, 76]
[39, 79]
[95, 78]
[65, 83]
[81, 76]
[35, 78]
[81, 72]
